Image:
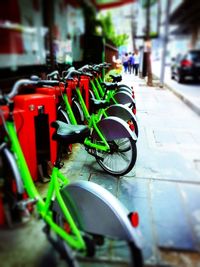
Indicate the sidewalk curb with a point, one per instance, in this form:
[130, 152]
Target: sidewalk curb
[186, 100]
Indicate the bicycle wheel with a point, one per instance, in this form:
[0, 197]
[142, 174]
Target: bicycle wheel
[11, 176]
[133, 126]
[78, 113]
[121, 158]
[63, 249]
[123, 112]
[124, 89]
[62, 115]
[123, 253]
[69, 255]
[113, 238]
[123, 98]
[124, 86]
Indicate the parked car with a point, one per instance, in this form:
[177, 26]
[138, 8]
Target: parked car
[186, 66]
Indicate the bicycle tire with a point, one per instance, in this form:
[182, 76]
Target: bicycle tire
[124, 86]
[109, 160]
[132, 106]
[65, 251]
[124, 89]
[91, 104]
[62, 115]
[122, 112]
[135, 128]
[10, 174]
[122, 98]
[78, 113]
[136, 256]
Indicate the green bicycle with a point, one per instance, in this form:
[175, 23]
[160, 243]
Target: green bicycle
[111, 142]
[76, 204]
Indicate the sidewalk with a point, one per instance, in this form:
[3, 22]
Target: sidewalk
[168, 166]
[164, 187]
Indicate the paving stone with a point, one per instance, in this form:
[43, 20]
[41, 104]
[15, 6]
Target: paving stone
[190, 194]
[184, 138]
[197, 164]
[169, 218]
[166, 164]
[163, 137]
[92, 167]
[134, 194]
[132, 188]
[196, 136]
[105, 180]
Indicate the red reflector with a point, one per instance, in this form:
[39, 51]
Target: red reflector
[134, 111]
[131, 125]
[134, 218]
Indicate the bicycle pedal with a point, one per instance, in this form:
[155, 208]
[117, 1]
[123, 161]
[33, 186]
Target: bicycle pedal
[61, 164]
[23, 204]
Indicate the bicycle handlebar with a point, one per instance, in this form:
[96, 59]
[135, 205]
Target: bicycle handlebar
[53, 74]
[33, 82]
[71, 72]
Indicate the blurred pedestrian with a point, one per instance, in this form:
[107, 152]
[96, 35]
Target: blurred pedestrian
[125, 59]
[136, 62]
[131, 62]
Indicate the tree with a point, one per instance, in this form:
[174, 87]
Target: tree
[109, 31]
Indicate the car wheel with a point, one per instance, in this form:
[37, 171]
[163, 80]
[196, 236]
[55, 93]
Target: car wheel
[180, 78]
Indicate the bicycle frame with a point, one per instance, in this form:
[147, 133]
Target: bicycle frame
[43, 207]
[93, 197]
[100, 93]
[92, 121]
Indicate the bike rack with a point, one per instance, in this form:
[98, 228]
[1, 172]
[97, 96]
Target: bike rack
[33, 115]
[84, 87]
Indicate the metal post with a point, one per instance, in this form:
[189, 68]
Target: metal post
[165, 41]
[148, 39]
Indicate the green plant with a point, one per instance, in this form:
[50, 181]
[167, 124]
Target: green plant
[112, 72]
[109, 31]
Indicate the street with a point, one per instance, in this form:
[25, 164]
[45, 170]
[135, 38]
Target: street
[189, 90]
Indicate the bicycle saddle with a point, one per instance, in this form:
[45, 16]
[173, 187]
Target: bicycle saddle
[116, 78]
[109, 86]
[99, 103]
[69, 134]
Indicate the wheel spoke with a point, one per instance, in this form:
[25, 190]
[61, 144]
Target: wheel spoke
[124, 156]
[121, 158]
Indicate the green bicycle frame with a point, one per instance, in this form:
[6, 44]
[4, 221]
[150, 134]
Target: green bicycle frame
[94, 89]
[92, 121]
[69, 110]
[43, 207]
[99, 92]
